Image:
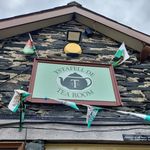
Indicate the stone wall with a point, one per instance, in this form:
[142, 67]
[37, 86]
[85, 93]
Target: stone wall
[15, 68]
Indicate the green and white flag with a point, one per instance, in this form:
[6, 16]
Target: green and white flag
[143, 116]
[91, 114]
[120, 56]
[29, 48]
[19, 95]
[67, 103]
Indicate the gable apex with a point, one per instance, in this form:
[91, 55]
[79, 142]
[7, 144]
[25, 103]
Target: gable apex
[74, 3]
[74, 11]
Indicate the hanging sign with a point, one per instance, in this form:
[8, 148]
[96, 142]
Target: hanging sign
[83, 83]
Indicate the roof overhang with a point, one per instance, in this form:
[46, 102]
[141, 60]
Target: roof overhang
[26, 23]
[34, 21]
[120, 33]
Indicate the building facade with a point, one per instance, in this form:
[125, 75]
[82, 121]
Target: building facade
[48, 124]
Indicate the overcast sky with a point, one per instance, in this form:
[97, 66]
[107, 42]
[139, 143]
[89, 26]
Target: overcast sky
[134, 13]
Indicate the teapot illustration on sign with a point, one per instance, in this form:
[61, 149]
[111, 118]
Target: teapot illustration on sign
[75, 82]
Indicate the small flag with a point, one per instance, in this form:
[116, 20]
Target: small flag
[67, 103]
[120, 56]
[91, 114]
[19, 95]
[143, 116]
[29, 48]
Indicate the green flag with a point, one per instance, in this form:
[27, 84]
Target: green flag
[67, 103]
[120, 56]
[91, 114]
[29, 48]
[19, 95]
[143, 116]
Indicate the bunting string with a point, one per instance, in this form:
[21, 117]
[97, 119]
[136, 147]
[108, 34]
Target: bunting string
[20, 96]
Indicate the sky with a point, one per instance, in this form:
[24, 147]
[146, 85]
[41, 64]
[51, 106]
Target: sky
[133, 13]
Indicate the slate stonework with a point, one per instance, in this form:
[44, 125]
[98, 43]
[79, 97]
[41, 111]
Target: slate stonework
[133, 78]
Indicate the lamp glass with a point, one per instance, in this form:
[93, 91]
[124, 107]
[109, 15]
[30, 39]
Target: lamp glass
[74, 36]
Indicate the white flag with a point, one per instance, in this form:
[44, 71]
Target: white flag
[16, 99]
[121, 55]
[91, 114]
[67, 103]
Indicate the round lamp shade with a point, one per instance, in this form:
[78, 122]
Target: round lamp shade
[72, 49]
